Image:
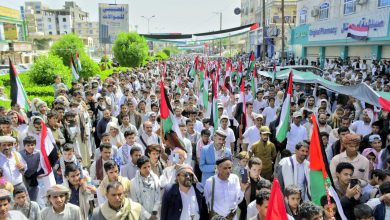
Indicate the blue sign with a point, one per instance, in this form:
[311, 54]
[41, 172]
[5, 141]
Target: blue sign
[370, 23]
[322, 31]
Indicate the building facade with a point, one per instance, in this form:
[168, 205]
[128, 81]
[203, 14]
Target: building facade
[273, 24]
[90, 30]
[341, 28]
[34, 17]
[12, 37]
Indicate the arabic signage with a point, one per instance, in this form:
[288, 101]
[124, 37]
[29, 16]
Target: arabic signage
[9, 12]
[377, 23]
[113, 18]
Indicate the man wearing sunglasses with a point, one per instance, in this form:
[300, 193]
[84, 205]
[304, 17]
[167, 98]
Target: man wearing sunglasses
[183, 200]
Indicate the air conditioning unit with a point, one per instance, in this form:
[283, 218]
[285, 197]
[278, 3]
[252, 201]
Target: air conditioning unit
[361, 2]
[315, 12]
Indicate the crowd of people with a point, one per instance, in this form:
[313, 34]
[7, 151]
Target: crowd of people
[112, 158]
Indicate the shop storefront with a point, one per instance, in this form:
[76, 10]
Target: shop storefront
[335, 38]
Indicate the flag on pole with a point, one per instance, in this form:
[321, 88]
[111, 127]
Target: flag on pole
[75, 75]
[205, 87]
[243, 118]
[254, 81]
[227, 80]
[193, 69]
[48, 157]
[274, 75]
[78, 62]
[276, 208]
[284, 119]
[18, 94]
[320, 182]
[251, 63]
[214, 98]
[166, 113]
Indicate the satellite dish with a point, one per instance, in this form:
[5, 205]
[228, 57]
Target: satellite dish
[237, 11]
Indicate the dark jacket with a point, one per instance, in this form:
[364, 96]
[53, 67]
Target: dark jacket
[380, 211]
[172, 204]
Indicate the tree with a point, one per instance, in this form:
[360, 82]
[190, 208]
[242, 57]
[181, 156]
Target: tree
[46, 67]
[130, 49]
[67, 47]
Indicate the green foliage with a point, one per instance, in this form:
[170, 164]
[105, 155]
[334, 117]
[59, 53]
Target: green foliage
[160, 56]
[38, 91]
[171, 51]
[105, 63]
[88, 67]
[167, 51]
[130, 49]
[46, 67]
[68, 46]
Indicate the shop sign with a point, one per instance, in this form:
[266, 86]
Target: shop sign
[377, 22]
[21, 47]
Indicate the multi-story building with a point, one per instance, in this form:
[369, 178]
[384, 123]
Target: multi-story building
[89, 29]
[341, 28]
[34, 17]
[57, 22]
[273, 23]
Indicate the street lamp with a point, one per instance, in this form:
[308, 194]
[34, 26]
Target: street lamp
[148, 19]
[220, 28]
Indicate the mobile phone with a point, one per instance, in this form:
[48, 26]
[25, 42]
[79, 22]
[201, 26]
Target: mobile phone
[353, 183]
[244, 176]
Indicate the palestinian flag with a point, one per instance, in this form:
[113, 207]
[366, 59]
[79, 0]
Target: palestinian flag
[214, 107]
[284, 119]
[251, 63]
[254, 82]
[240, 70]
[227, 84]
[78, 62]
[166, 113]
[48, 157]
[18, 94]
[277, 209]
[321, 183]
[192, 71]
[75, 75]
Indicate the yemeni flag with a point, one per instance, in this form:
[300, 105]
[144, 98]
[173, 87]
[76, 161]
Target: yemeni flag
[321, 183]
[357, 32]
[254, 82]
[251, 63]
[214, 107]
[166, 113]
[48, 157]
[284, 119]
[75, 75]
[227, 80]
[78, 62]
[276, 209]
[18, 94]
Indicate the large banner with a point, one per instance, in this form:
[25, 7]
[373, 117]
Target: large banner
[338, 29]
[113, 18]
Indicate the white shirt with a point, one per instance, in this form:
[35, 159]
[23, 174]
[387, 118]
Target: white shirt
[294, 136]
[149, 140]
[251, 210]
[359, 127]
[10, 172]
[270, 114]
[257, 105]
[227, 194]
[198, 126]
[190, 205]
[230, 138]
[251, 136]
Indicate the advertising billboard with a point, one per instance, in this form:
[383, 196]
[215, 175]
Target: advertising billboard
[113, 19]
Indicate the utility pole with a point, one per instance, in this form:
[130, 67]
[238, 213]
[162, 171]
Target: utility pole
[220, 28]
[283, 33]
[263, 24]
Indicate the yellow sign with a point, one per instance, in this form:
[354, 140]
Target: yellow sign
[10, 31]
[9, 12]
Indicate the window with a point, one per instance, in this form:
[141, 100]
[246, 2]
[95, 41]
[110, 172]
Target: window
[65, 26]
[49, 19]
[383, 3]
[63, 19]
[50, 33]
[90, 31]
[49, 26]
[90, 25]
[349, 6]
[303, 16]
[324, 11]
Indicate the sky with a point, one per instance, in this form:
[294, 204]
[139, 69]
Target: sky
[172, 16]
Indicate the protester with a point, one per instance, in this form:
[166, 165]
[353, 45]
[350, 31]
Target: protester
[22, 203]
